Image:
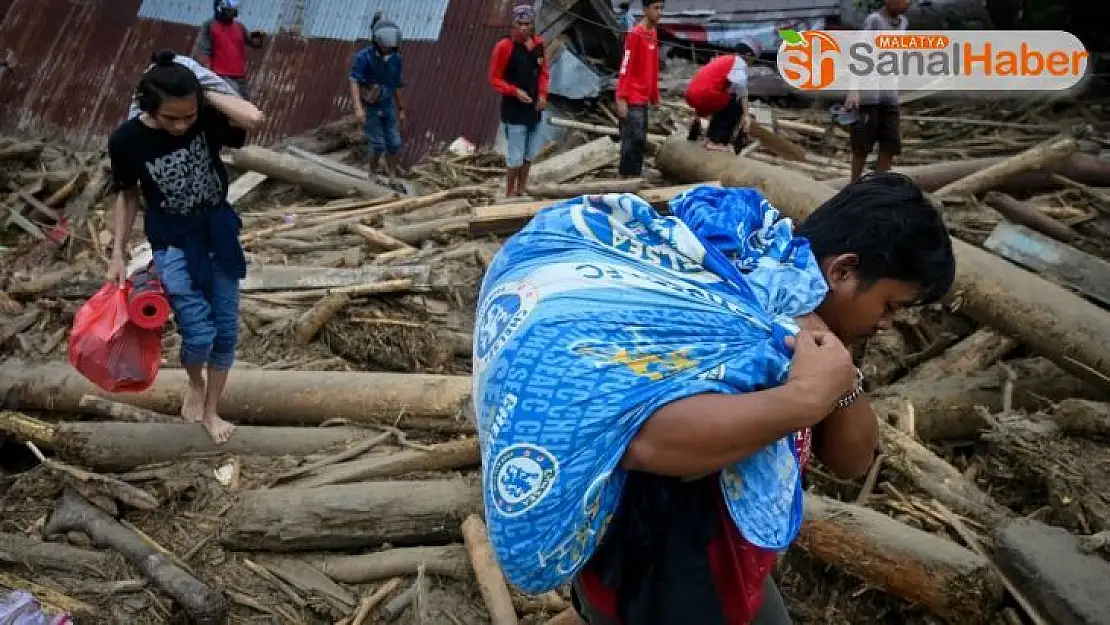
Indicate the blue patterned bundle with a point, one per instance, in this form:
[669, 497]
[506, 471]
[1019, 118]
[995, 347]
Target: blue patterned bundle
[598, 313]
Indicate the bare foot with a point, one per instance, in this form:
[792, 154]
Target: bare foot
[218, 429]
[192, 406]
[717, 147]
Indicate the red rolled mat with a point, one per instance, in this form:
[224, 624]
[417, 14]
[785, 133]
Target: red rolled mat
[147, 304]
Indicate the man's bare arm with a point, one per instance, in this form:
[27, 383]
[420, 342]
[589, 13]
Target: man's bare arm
[845, 441]
[705, 433]
[127, 207]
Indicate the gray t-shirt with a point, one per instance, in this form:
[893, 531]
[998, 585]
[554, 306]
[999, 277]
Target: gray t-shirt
[208, 80]
[888, 94]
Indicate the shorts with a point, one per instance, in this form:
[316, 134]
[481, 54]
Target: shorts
[207, 321]
[522, 143]
[382, 131]
[878, 123]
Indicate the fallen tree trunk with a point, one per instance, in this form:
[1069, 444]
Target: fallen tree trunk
[34, 554]
[448, 561]
[72, 513]
[920, 567]
[444, 457]
[256, 395]
[592, 187]
[305, 174]
[1083, 168]
[575, 162]
[1064, 327]
[971, 355]
[988, 178]
[944, 408]
[107, 446]
[1028, 215]
[350, 516]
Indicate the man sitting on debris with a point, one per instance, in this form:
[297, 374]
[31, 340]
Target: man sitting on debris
[376, 93]
[518, 71]
[638, 88]
[879, 120]
[171, 153]
[223, 45]
[719, 90]
[672, 553]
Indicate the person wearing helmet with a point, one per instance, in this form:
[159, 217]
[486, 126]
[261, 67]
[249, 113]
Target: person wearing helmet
[518, 71]
[376, 93]
[719, 91]
[223, 45]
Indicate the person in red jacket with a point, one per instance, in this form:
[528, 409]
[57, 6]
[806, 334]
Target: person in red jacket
[638, 88]
[719, 91]
[223, 45]
[518, 71]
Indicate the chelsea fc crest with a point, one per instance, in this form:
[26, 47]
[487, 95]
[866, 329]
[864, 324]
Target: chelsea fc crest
[522, 475]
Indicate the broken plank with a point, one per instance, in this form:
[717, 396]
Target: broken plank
[293, 277]
[243, 185]
[1054, 260]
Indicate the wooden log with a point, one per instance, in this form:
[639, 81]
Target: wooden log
[1083, 417]
[775, 144]
[350, 516]
[986, 179]
[32, 554]
[591, 187]
[255, 395]
[1072, 332]
[598, 129]
[491, 581]
[107, 446]
[71, 513]
[116, 411]
[66, 191]
[575, 162]
[377, 238]
[94, 483]
[305, 174]
[978, 351]
[508, 217]
[19, 325]
[293, 277]
[945, 408]
[1083, 168]
[448, 561]
[78, 209]
[47, 281]
[418, 233]
[1028, 215]
[917, 566]
[444, 457]
[1056, 261]
[308, 325]
[296, 246]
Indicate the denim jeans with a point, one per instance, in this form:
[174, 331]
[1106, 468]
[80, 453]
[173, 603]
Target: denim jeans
[208, 321]
[382, 131]
[522, 143]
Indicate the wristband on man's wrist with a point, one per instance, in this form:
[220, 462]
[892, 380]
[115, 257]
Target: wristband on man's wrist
[852, 396]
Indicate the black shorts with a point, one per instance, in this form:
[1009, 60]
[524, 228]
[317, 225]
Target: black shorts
[878, 123]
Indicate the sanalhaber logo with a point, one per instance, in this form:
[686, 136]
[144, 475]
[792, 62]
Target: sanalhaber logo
[992, 60]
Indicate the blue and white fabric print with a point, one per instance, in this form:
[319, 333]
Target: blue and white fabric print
[596, 314]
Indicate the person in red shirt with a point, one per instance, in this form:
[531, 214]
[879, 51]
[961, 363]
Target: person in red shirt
[672, 554]
[719, 91]
[638, 88]
[223, 45]
[518, 71]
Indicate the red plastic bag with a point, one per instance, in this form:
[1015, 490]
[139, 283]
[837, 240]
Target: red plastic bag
[113, 353]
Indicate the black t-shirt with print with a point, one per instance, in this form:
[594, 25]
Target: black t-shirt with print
[178, 175]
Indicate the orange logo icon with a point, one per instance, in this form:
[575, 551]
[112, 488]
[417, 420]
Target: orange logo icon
[808, 60]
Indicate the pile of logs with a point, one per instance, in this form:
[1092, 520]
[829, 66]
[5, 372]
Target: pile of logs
[349, 490]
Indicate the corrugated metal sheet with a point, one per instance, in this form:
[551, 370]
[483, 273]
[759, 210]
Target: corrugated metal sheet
[745, 10]
[75, 65]
[419, 20]
[265, 15]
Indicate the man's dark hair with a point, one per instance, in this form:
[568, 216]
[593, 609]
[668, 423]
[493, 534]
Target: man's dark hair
[896, 231]
[166, 80]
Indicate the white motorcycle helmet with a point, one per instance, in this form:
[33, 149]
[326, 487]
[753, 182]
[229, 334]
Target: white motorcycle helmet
[385, 33]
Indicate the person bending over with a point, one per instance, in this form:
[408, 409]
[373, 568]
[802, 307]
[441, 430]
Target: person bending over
[672, 554]
[719, 91]
[170, 154]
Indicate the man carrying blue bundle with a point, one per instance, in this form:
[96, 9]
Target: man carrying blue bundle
[705, 413]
